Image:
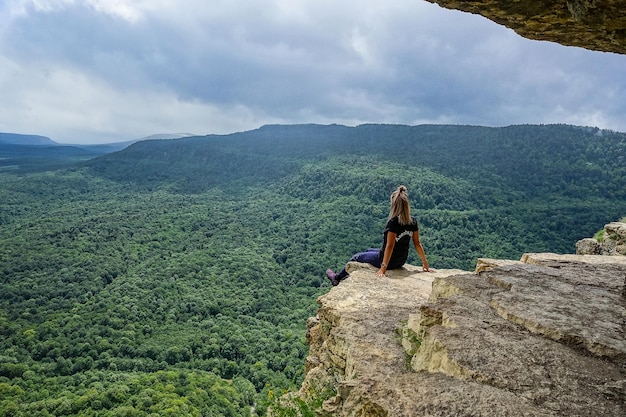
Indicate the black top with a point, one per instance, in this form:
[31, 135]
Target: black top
[403, 238]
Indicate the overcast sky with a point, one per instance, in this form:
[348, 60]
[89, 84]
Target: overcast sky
[96, 71]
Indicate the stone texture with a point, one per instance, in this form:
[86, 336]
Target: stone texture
[592, 24]
[543, 336]
[588, 246]
[613, 242]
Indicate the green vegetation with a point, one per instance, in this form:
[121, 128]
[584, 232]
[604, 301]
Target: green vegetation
[403, 336]
[290, 405]
[599, 236]
[175, 277]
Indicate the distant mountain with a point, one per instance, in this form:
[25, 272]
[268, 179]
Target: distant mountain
[542, 184]
[38, 153]
[30, 140]
[35, 153]
[168, 136]
[37, 140]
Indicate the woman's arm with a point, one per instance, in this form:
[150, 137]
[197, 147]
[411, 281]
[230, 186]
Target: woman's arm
[420, 250]
[391, 242]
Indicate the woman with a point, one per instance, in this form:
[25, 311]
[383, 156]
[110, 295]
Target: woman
[400, 228]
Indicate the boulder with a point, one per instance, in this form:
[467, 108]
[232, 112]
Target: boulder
[612, 241]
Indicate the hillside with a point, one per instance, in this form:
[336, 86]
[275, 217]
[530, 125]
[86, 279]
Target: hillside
[547, 185]
[526, 159]
[178, 274]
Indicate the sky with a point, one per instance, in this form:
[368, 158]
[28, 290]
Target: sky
[100, 71]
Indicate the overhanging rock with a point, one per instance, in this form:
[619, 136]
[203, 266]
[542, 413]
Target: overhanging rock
[598, 25]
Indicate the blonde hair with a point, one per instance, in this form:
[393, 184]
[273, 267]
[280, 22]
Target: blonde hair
[399, 206]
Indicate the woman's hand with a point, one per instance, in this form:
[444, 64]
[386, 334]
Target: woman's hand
[381, 273]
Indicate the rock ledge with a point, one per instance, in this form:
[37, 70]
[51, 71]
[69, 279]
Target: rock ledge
[543, 336]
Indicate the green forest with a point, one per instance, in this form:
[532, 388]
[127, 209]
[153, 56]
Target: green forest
[175, 277]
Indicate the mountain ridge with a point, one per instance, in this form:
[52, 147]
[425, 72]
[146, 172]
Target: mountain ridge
[27, 140]
[23, 153]
[519, 154]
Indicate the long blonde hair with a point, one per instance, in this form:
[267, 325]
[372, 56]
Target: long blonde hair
[400, 207]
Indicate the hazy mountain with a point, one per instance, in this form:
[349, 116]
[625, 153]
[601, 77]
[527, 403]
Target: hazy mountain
[32, 152]
[31, 140]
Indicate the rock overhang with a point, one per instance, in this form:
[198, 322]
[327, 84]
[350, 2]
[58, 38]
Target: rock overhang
[598, 25]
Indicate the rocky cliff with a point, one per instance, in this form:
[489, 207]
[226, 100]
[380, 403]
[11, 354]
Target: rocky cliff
[592, 24]
[544, 336]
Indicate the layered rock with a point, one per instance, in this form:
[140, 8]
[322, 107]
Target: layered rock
[611, 241]
[544, 336]
[592, 24]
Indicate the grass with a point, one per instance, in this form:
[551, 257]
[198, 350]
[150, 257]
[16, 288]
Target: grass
[599, 236]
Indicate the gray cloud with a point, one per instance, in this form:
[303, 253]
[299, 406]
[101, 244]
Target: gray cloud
[99, 71]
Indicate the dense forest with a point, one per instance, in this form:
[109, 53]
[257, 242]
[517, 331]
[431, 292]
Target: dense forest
[175, 277]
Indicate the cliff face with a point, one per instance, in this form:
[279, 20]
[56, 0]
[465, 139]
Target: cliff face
[592, 24]
[544, 336]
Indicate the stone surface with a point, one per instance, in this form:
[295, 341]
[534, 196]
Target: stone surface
[612, 242]
[592, 24]
[588, 246]
[544, 336]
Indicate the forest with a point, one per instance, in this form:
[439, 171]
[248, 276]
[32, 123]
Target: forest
[175, 277]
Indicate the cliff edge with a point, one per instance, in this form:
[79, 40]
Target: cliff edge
[543, 336]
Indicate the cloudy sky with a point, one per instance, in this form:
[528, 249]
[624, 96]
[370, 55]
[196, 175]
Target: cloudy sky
[96, 71]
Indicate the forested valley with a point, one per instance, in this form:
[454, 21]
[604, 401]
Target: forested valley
[175, 277]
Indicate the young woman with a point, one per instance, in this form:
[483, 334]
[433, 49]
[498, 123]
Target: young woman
[397, 235]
